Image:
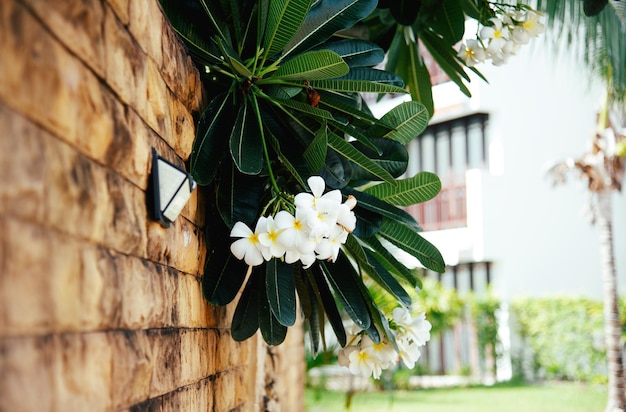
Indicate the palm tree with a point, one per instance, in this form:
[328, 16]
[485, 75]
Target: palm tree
[599, 26]
[603, 169]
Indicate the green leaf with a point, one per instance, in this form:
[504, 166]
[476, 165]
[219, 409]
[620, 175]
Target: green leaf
[273, 332]
[281, 291]
[325, 18]
[417, 189]
[234, 59]
[410, 241]
[223, 277]
[372, 203]
[315, 112]
[245, 321]
[210, 142]
[355, 115]
[345, 283]
[409, 119]
[216, 21]
[449, 21]
[406, 61]
[445, 56]
[356, 53]
[315, 153]
[381, 275]
[313, 65]
[351, 153]
[197, 42]
[238, 196]
[283, 20]
[325, 297]
[389, 262]
[393, 157]
[350, 86]
[351, 131]
[246, 146]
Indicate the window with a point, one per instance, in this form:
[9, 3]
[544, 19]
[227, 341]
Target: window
[448, 149]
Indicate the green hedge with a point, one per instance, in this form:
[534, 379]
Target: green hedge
[562, 337]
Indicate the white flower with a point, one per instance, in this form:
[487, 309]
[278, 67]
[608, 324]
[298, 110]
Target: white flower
[364, 363]
[346, 218]
[497, 34]
[472, 52]
[343, 357]
[268, 238]
[409, 352]
[383, 350]
[328, 247]
[246, 248]
[532, 25]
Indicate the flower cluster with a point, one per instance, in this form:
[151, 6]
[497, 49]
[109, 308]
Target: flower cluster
[366, 358]
[317, 230]
[502, 38]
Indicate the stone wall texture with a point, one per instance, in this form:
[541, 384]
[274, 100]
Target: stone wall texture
[100, 308]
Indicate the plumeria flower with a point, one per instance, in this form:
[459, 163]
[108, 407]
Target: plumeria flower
[364, 363]
[409, 351]
[327, 248]
[293, 236]
[497, 34]
[246, 248]
[345, 217]
[383, 350]
[310, 201]
[472, 52]
[268, 238]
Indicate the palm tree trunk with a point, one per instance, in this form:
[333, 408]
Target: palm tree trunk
[612, 329]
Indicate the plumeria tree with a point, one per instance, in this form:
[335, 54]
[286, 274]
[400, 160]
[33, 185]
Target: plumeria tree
[303, 182]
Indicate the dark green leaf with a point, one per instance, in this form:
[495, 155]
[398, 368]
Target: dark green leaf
[345, 283]
[246, 317]
[357, 53]
[445, 56]
[313, 65]
[393, 157]
[382, 276]
[315, 153]
[273, 332]
[352, 154]
[322, 291]
[410, 241]
[325, 19]
[223, 276]
[283, 20]
[238, 196]
[210, 143]
[246, 146]
[281, 291]
[449, 21]
[389, 262]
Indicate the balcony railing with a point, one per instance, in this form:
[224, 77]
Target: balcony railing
[447, 210]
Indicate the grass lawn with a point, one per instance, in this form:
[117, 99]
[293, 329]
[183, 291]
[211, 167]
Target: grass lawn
[549, 397]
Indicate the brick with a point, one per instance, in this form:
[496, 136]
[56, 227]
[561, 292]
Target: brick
[145, 24]
[82, 368]
[77, 24]
[181, 246]
[132, 368]
[26, 305]
[179, 72]
[27, 377]
[125, 63]
[21, 156]
[157, 110]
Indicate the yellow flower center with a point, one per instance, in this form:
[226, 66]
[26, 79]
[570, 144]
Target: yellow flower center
[254, 239]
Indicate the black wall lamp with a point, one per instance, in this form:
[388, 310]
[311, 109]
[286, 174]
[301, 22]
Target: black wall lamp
[171, 188]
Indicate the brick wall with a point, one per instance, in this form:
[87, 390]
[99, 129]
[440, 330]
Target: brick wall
[101, 309]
